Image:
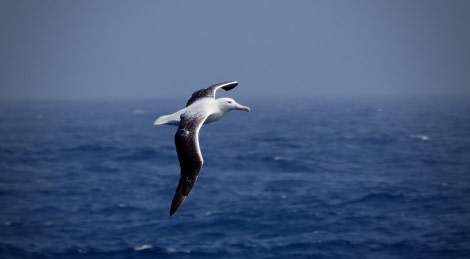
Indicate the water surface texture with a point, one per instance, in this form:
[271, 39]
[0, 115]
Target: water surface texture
[320, 178]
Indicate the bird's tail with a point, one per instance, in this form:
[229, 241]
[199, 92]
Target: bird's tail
[170, 119]
[184, 187]
[165, 119]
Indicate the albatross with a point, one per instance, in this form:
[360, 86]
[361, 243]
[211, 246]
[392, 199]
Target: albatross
[201, 108]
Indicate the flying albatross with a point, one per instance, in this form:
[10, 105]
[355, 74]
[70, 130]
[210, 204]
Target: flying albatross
[201, 108]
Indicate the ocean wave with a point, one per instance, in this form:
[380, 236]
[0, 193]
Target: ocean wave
[102, 167]
[138, 154]
[5, 150]
[377, 139]
[91, 148]
[138, 112]
[111, 209]
[379, 197]
[286, 164]
[117, 251]
[11, 251]
[421, 137]
[277, 163]
[142, 247]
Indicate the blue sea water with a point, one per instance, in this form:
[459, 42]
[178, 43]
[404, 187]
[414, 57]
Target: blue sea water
[319, 178]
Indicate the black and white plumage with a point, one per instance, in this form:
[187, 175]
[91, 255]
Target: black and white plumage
[201, 108]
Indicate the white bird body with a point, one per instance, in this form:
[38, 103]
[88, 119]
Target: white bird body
[214, 108]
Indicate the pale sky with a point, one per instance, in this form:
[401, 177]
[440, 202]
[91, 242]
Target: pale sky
[167, 49]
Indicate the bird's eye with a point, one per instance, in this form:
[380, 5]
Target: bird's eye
[229, 101]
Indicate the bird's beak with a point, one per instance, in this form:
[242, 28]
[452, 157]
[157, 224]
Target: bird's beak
[243, 108]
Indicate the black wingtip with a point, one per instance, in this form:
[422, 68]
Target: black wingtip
[176, 203]
[230, 85]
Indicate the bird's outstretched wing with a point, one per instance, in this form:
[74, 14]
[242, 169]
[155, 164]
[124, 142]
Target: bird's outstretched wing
[210, 91]
[189, 156]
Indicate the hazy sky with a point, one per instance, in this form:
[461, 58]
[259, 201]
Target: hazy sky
[166, 49]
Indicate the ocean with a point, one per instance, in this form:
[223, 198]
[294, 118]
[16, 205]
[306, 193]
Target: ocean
[337, 177]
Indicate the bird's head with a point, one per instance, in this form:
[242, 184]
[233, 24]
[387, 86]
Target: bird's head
[228, 104]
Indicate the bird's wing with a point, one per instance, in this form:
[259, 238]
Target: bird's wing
[210, 91]
[189, 155]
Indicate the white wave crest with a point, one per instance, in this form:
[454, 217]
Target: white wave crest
[142, 247]
[422, 137]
